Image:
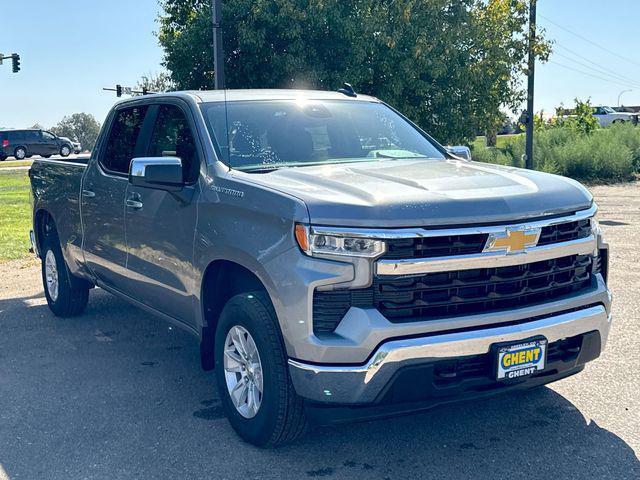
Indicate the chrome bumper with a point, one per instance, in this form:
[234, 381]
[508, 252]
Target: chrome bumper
[362, 384]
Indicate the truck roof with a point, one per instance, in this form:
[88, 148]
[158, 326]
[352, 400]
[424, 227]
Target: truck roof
[204, 96]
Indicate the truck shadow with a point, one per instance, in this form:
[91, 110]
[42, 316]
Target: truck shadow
[121, 394]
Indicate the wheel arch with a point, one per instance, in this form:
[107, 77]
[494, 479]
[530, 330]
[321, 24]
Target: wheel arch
[43, 222]
[222, 279]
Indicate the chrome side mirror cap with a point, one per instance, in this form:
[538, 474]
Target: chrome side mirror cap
[161, 173]
[459, 151]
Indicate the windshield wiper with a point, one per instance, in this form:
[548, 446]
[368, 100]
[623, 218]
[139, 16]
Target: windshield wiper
[264, 169]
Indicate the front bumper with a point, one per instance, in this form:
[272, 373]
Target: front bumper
[365, 384]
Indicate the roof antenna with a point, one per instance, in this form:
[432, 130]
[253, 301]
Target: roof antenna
[347, 90]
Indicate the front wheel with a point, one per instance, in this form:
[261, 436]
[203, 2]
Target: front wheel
[252, 374]
[67, 296]
[65, 151]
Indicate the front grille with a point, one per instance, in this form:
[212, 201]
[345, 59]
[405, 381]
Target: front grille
[443, 246]
[464, 292]
[565, 232]
[428, 247]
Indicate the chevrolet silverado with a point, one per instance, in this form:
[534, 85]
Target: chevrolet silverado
[334, 261]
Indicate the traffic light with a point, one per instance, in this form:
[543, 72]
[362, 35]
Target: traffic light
[15, 61]
[118, 90]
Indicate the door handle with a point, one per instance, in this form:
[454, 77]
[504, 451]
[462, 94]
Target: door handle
[135, 204]
[88, 193]
[134, 201]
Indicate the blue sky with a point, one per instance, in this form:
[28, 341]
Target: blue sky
[70, 49]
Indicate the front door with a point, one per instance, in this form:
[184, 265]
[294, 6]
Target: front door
[49, 144]
[103, 196]
[160, 226]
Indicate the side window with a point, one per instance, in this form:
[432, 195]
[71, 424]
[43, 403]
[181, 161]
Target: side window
[122, 139]
[48, 136]
[172, 137]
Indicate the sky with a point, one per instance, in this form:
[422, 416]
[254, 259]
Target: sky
[71, 49]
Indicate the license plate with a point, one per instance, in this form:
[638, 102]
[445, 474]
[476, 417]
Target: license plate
[521, 359]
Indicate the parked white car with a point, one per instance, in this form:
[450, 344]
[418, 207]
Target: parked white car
[607, 116]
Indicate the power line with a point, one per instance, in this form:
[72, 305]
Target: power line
[582, 37]
[592, 75]
[601, 71]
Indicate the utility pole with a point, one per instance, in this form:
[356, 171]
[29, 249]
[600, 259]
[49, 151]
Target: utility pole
[530, 85]
[218, 56]
[622, 93]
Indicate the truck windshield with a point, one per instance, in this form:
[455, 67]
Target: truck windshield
[254, 135]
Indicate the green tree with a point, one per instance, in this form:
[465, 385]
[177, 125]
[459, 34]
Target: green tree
[81, 127]
[450, 65]
[159, 82]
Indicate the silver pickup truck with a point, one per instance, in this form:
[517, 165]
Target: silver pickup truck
[335, 262]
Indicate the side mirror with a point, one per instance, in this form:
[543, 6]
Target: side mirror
[460, 151]
[161, 173]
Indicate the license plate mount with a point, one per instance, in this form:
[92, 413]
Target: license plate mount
[517, 360]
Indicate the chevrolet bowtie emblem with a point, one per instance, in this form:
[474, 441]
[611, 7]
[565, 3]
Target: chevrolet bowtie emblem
[512, 240]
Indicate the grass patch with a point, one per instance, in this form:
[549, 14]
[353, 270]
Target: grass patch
[501, 141]
[15, 215]
[15, 163]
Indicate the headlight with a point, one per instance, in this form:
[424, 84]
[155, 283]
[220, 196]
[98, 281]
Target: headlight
[315, 243]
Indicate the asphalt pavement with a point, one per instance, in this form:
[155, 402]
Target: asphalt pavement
[119, 394]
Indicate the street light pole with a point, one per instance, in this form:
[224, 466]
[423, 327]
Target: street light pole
[218, 55]
[621, 93]
[530, 85]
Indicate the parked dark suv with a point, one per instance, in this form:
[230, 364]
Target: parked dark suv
[25, 143]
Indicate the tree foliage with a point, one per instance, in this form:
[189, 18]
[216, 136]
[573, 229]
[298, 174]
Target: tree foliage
[81, 127]
[156, 83]
[450, 65]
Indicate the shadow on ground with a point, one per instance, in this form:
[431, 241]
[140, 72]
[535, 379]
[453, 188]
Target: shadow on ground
[118, 394]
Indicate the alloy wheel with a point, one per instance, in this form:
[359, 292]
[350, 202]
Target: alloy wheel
[51, 275]
[243, 371]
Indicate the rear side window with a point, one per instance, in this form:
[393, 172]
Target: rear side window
[172, 137]
[123, 136]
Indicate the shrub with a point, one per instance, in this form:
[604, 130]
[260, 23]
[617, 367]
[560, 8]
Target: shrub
[603, 155]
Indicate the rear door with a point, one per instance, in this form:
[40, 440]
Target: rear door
[103, 196]
[160, 227]
[35, 142]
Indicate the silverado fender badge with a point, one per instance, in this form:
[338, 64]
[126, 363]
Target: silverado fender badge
[228, 191]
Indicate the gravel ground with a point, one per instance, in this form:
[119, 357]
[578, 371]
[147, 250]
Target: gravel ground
[119, 394]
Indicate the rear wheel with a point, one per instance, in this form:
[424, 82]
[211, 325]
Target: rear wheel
[20, 153]
[252, 374]
[66, 295]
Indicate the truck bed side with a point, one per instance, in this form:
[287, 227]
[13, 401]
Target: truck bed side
[55, 186]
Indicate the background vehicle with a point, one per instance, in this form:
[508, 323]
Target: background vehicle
[334, 261]
[607, 116]
[25, 143]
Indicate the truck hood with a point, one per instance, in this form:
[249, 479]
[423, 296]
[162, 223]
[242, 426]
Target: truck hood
[413, 193]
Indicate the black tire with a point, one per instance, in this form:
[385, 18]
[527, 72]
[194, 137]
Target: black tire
[73, 293]
[2, 158]
[280, 418]
[65, 150]
[20, 153]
